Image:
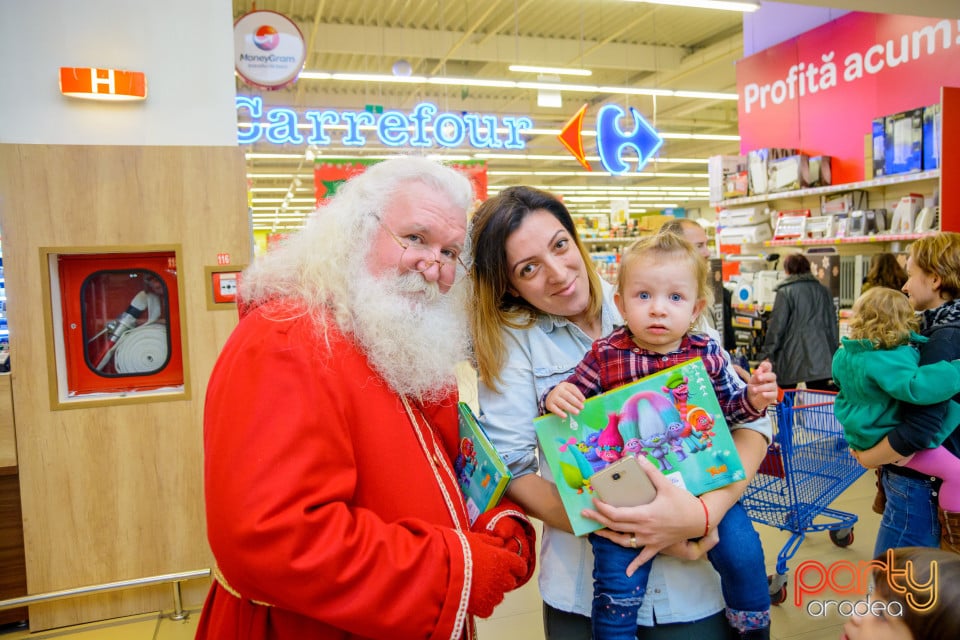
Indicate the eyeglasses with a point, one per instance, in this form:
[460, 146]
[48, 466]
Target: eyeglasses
[423, 257]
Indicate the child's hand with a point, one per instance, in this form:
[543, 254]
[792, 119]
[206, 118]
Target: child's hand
[880, 454]
[762, 386]
[564, 398]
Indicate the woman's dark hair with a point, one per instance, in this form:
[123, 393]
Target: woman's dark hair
[885, 271]
[796, 264]
[495, 306]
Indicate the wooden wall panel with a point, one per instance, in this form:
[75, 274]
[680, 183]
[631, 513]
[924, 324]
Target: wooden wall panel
[8, 440]
[112, 493]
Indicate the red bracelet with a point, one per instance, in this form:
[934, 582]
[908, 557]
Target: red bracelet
[706, 517]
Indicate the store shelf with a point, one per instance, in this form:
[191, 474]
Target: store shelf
[740, 306]
[900, 178]
[806, 242]
[617, 241]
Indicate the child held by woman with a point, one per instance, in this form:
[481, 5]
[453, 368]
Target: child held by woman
[662, 288]
[877, 368]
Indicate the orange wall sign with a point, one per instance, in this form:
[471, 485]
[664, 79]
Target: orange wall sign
[102, 84]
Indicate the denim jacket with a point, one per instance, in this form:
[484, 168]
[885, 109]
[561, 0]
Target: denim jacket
[537, 359]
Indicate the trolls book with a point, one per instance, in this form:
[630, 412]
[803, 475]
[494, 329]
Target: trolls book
[672, 417]
[482, 474]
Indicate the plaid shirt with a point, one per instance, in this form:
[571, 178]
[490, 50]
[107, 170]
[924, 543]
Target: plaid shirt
[615, 360]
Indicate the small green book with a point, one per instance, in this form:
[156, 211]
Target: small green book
[672, 417]
[481, 472]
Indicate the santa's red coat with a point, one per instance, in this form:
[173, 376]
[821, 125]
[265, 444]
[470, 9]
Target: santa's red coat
[321, 502]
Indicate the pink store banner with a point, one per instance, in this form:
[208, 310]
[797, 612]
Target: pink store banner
[820, 91]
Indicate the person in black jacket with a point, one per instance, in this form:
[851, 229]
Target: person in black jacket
[803, 332]
[911, 516]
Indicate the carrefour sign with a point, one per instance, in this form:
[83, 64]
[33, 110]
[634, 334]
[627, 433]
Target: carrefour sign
[612, 141]
[424, 126]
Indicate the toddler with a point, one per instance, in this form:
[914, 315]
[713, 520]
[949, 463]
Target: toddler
[662, 288]
[876, 368]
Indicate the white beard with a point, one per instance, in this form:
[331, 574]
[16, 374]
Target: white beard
[413, 335]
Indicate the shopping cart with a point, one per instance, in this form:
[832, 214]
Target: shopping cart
[807, 466]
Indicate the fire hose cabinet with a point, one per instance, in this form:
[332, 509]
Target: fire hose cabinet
[119, 317]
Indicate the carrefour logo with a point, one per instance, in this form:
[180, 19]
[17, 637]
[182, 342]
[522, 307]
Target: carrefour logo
[612, 142]
[266, 38]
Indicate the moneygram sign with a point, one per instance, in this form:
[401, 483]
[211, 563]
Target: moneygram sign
[268, 49]
[844, 578]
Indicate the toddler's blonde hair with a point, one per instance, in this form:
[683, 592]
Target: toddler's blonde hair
[667, 246]
[884, 317]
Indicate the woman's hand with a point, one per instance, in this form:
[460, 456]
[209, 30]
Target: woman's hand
[762, 386]
[674, 516]
[564, 398]
[685, 549]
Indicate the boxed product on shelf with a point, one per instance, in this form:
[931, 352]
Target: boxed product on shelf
[786, 174]
[718, 170]
[757, 288]
[845, 202]
[764, 291]
[757, 171]
[820, 174]
[758, 167]
[903, 142]
[790, 224]
[864, 222]
[818, 227]
[736, 185]
[904, 214]
[749, 234]
[743, 216]
[932, 128]
[798, 172]
[878, 147]
[927, 220]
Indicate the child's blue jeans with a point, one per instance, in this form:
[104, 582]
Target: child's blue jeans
[738, 558]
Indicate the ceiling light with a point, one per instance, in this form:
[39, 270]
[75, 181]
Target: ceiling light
[721, 5]
[510, 84]
[559, 71]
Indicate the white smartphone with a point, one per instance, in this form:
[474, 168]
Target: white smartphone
[623, 484]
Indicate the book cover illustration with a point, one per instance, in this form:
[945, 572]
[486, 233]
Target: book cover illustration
[672, 417]
[482, 474]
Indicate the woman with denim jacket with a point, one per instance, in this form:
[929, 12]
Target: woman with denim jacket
[539, 307]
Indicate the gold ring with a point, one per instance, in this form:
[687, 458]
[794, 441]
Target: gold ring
[633, 541]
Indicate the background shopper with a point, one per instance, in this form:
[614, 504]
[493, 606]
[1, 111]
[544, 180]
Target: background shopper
[885, 271]
[911, 516]
[803, 332]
